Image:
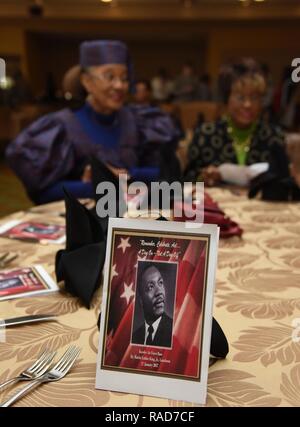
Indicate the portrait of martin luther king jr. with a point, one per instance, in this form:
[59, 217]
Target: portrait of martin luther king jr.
[154, 324]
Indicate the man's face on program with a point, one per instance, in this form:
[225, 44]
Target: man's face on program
[153, 294]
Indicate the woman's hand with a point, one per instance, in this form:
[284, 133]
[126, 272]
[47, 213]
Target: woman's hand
[118, 171]
[87, 174]
[293, 148]
[211, 176]
[295, 173]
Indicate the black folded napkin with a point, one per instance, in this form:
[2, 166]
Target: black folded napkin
[80, 264]
[101, 173]
[218, 345]
[274, 188]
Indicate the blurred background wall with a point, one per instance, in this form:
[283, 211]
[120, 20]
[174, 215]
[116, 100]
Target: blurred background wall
[39, 41]
[160, 33]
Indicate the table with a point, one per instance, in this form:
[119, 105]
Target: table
[257, 300]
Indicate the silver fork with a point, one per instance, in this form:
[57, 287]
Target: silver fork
[40, 366]
[56, 373]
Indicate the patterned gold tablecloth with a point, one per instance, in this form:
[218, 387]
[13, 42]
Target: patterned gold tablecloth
[257, 300]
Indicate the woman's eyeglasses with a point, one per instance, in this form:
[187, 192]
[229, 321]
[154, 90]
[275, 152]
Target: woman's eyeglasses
[110, 79]
[241, 99]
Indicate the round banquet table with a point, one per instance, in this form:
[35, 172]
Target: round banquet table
[257, 303]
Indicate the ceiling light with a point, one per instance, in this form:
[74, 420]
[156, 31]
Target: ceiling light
[6, 83]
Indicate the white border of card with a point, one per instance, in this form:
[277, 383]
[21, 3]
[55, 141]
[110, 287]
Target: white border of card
[50, 285]
[13, 223]
[155, 384]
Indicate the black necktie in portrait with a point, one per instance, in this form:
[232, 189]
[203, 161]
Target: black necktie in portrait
[149, 340]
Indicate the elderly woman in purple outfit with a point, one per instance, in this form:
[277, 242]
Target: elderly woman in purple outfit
[55, 151]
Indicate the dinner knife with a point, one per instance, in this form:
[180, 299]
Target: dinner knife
[16, 321]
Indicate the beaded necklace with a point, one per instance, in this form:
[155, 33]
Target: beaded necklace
[241, 140]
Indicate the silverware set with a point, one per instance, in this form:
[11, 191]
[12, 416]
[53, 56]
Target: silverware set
[42, 371]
